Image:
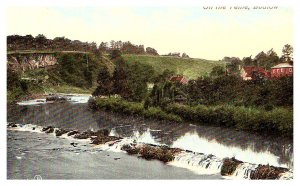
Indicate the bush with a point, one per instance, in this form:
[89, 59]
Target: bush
[132, 108]
[276, 121]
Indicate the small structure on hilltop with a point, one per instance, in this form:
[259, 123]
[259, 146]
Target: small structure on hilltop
[179, 79]
[249, 72]
[282, 69]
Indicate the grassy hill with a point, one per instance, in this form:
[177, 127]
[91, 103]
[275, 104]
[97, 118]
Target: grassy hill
[190, 67]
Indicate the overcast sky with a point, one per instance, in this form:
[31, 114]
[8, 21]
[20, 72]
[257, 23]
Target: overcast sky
[208, 34]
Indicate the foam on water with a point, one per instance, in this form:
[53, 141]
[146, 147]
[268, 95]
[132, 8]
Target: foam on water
[113, 132]
[80, 99]
[116, 145]
[146, 137]
[191, 141]
[286, 176]
[27, 127]
[198, 162]
[34, 102]
[243, 171]
[73, 98]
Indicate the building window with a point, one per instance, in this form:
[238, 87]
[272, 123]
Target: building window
[282, 70]
[277, 70]
[291, 70]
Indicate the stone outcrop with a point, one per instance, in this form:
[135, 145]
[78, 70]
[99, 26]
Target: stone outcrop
[11, 124]
[89, 134]
[48, 129]
[60, 132]
[56, 98]
[267, 172]
[73, 132]
[149, 152]
[29, 61]
[229, 166]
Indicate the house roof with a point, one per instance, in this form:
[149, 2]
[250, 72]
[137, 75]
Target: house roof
[176, 78]
[181, 79]
[250, 69]
[283, 65]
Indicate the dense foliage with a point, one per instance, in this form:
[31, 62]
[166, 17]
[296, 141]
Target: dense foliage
[129, 80]
[131, 108]
[40, 42]
[78, 69]
[232, 89]
[276, 121]
[263, 59]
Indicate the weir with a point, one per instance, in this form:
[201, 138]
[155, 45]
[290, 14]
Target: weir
[199, 163]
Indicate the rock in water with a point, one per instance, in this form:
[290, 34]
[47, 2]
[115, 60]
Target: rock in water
[267, 172]
[48, 129]
[229, 166]
[11, 124]
[60, 132]
[56, 98]
[73, 132]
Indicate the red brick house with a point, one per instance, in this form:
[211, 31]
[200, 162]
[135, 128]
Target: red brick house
[282, 69]
[248, 72]
[180, 79]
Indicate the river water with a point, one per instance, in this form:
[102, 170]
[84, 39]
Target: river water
[32, 153]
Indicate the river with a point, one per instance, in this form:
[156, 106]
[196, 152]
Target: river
[33, 154]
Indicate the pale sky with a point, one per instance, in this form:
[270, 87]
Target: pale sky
[207, 34]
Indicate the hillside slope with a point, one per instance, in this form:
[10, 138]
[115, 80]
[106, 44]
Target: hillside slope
[190, 67]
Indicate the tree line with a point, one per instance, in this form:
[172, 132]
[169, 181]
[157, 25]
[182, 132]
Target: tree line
[40, 42]
[263, 59]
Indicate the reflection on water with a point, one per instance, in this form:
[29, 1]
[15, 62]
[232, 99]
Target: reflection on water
[209, 140]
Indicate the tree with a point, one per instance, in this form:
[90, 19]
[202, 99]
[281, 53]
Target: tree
[139, 76]
[184, 55]
[287, 53]
[272, 59]
[217, 71]
[41, 36]
[105, 83]
[88, 75]
[115, 54]
[247, 61]
[233, 67]
[261, 59]
[166, 75]
[120, 78]
[13, 78]
[151, 51]
[103, 46]
[67, 67]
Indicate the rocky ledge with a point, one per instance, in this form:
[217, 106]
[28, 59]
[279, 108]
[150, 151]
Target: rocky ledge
[260, 172]
[149, 152]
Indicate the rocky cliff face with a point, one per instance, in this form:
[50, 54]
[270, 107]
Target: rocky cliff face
[28, 61]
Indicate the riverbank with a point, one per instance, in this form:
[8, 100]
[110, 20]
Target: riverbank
[278, 121]
[16, 95]
[132, 108]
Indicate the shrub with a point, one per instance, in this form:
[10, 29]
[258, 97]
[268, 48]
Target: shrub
[276, 121]
[132, 108]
